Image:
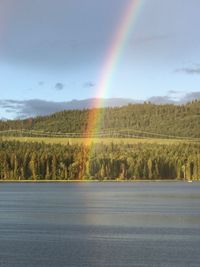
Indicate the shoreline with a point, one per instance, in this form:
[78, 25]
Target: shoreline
[93, 181]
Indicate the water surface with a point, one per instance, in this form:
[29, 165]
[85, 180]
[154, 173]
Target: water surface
[100, 224]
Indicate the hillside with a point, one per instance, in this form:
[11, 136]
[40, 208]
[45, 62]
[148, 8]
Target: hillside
[169, 120]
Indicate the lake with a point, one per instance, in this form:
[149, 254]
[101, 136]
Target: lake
[100, 224]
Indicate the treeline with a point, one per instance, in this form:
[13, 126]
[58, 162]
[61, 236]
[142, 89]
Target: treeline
[39, 161]
[173, 120]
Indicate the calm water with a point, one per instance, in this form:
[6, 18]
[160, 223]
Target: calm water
[100, 224]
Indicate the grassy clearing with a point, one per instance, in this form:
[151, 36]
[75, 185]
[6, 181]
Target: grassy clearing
[64, 141]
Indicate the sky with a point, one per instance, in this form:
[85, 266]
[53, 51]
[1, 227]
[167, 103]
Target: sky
[54, 51]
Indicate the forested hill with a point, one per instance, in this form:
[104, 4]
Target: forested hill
[172, 120]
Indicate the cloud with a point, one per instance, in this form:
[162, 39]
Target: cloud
[11, 104]
[3, 119]
[38, 107]
[88, 84]
[33, 107]
[170, 99]
[161, 100]
[189, 71]
[173, 92]
[40, 83]
[59, 86]
[190, 97]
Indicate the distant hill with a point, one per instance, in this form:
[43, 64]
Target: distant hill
[160, 120]
[23, 109]
[38, 107]
[90, 103]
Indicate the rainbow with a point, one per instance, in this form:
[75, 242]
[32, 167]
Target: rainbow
[113, 56]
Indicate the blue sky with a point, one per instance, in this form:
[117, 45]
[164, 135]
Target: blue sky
[55, 50]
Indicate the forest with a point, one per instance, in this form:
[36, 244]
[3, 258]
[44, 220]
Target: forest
[111, 160]
[168, 120]
[40, 161]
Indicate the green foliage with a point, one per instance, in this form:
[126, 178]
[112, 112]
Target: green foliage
[173, 120]
[40, 161]
[131, 159]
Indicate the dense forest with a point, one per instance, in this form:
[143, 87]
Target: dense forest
[173, 120]
[39, 161]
